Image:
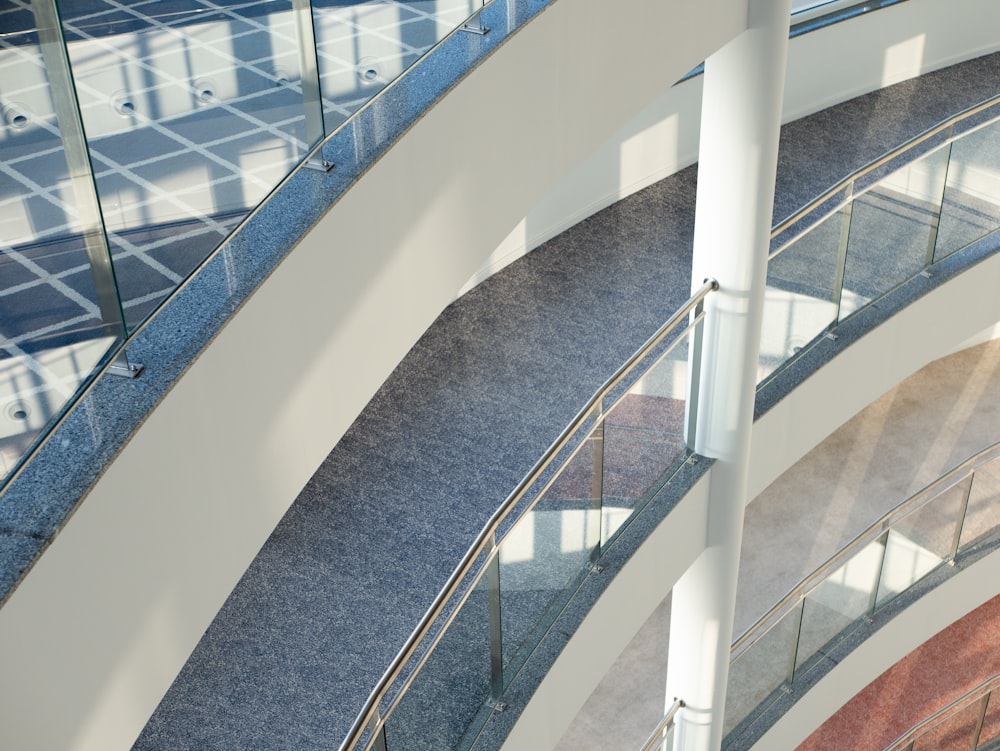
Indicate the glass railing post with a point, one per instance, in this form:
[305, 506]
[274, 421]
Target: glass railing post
[845, 241]
[796, 639]
[883, 541]
[935, 225]
[496, 632]
[74, 140]
[978, 732]
[960, 521]
[694, 376]
[595, 534]
[312, 93]
[378, 744]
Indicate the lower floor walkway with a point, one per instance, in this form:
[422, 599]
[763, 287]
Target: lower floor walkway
[940, 671]
[947, 411]
[360, 555]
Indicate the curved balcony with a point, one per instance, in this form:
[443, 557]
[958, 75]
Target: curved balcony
[440, 279]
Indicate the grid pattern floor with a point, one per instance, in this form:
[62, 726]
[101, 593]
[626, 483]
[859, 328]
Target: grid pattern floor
[193, 111]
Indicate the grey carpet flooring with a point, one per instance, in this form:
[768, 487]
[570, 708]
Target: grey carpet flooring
[333, 594]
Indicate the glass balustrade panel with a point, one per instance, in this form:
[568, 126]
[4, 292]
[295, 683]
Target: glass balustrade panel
[452, 690]
[802, 291]
[758, 674]
[52, 330]
[954, 733]
[644, 436]
[971, 207]
[364, 46]
[835, 605]
[990, 733]
[920, 542]
[982, 518]
[893, 229]
[193, 115]
[547, 552]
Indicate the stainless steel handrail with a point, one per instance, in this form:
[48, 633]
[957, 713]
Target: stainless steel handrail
[657, 735]
[881, 161]
[916, 501]
[370, 717]
[965, 700]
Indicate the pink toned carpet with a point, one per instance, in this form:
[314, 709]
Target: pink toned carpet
[933, 675]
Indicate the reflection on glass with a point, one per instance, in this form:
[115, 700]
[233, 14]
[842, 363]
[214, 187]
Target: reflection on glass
[362, 47]
[52, 332]
[921, 541]
[194, 114]
[991, 721]
[971, 206]
[954, 733]
[453, 686]
[757, 674]
[644, 436]
[803, 287]
[192, 117]
[840, 600]
[544, 555]
[893, 229]
[982, 518]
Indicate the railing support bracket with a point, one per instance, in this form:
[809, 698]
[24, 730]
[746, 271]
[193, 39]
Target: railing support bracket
[475, 26]
[319, 164]
[122, 368]
[128, 370]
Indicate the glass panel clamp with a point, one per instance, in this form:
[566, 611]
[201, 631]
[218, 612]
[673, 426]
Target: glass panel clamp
[121, 367]
[474, 26]
[319, 163]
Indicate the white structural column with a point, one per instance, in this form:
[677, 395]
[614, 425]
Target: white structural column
[741, 117]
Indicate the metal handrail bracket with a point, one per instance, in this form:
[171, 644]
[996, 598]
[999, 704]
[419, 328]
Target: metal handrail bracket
[785, 224]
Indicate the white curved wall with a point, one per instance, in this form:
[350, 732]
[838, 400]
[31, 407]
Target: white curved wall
[98, 629]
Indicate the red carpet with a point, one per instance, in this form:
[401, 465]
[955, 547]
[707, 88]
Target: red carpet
[935, 674]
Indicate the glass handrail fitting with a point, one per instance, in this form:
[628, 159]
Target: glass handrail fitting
[927, 530]
[661, 739]
[136, 138]
[883, 225]
[537, 547]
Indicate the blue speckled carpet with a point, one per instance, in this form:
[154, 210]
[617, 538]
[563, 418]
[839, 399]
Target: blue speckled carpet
[330, 599]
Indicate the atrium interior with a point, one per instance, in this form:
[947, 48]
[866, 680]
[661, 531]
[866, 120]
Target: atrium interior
[375, 257]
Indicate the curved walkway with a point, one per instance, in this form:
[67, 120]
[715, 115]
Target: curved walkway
[333, 594]
[935, 674]
[907, 438]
